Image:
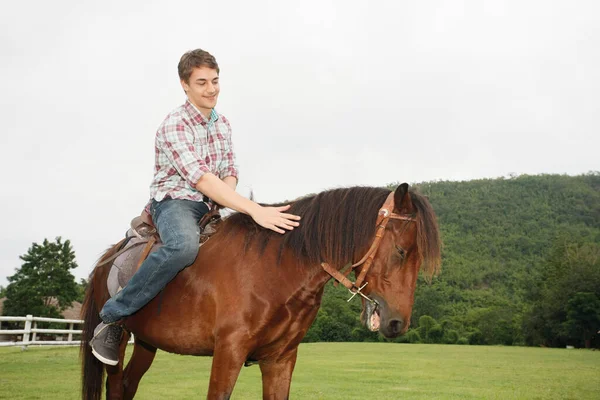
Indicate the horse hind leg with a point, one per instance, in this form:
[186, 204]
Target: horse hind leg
[141, 360]
[114, 373]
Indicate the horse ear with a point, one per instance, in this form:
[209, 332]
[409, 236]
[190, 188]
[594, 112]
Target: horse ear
[402, 199]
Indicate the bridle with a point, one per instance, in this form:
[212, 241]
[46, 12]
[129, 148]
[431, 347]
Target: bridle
[383, 217]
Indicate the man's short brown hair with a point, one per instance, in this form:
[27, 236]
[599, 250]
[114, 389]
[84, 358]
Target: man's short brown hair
[195, 59]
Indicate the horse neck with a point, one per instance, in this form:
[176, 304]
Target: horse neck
[302, 280]
[312, 278]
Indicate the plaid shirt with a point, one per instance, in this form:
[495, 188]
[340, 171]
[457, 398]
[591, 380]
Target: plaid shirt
[187, 146]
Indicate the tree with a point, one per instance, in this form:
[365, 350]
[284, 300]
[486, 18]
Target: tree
[570, 284]
[81, 287]
[44, 285]
[413, 336]
[583, 317]
[429, 330]
[450, 336]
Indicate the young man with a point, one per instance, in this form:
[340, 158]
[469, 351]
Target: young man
[194, 158]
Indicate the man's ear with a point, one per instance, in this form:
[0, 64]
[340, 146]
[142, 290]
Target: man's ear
[402, 200]
[184, 85]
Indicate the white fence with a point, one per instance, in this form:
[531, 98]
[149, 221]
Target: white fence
[30, 332]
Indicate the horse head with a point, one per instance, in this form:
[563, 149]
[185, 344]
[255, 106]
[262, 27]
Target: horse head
[410, 242]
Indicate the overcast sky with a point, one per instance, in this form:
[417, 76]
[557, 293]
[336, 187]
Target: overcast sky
[320, 94]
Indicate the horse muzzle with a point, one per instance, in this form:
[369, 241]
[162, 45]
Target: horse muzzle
[378, 317]
[372, 316]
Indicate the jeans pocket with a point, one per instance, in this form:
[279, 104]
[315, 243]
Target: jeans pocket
[159, 206]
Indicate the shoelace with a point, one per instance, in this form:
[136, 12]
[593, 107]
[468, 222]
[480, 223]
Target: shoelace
[114, 334]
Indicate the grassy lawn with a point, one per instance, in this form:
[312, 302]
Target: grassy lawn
[338, 371]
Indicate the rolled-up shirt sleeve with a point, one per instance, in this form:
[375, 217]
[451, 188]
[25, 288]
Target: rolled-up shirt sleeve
[176, 140]
[229, 167]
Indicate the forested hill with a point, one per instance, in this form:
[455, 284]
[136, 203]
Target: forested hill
[521, 265]
[498, 231]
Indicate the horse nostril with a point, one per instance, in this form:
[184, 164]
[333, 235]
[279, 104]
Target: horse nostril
[396, 325]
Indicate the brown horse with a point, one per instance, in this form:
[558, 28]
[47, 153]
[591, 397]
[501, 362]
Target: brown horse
[252, 294]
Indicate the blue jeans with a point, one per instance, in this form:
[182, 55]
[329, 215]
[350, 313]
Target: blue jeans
[177, 224]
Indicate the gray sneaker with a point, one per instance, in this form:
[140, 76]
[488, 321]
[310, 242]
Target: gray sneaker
[105, 343]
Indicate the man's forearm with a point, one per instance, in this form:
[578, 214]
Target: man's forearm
[221, 192]
[231, 181]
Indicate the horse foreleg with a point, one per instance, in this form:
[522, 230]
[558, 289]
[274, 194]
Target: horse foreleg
[228, 358]
[277, 376]
[114, 374]
[141, 359]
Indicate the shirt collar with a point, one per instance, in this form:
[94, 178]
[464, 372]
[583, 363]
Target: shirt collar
[198, 117]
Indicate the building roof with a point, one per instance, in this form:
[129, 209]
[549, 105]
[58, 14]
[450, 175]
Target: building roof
[71, 312]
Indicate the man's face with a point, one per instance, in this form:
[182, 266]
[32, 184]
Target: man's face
[203, 88]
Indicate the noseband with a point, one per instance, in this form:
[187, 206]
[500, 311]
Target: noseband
[383, 217]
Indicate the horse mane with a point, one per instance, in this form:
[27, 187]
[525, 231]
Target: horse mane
[428, 235]
[335, 224]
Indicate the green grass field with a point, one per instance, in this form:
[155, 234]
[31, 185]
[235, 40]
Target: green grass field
[338, 371]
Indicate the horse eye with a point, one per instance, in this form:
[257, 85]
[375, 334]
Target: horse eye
[400, 251]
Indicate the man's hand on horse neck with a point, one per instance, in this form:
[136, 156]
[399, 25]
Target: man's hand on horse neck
[223, 192]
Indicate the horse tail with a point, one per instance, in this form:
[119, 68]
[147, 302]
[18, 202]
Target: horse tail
[92, 370]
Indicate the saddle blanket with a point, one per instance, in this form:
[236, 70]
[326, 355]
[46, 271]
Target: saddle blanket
[125, 265]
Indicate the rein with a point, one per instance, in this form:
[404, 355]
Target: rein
[383, 217]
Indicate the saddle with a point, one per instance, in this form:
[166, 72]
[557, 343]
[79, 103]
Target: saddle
[141, 239]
